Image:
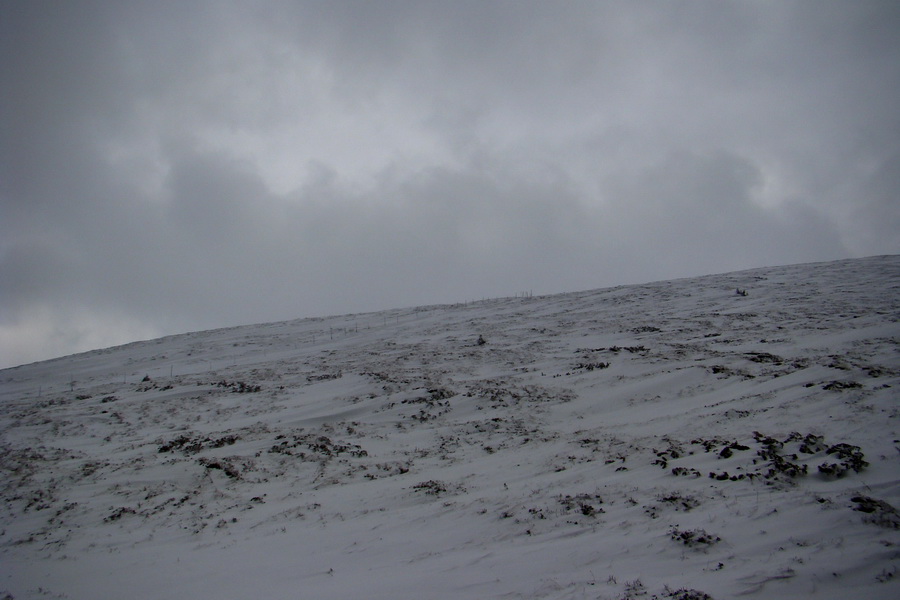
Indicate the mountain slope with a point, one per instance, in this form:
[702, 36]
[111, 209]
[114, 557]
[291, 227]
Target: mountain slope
[675, 439]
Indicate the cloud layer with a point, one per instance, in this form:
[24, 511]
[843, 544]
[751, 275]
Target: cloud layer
[177, 166]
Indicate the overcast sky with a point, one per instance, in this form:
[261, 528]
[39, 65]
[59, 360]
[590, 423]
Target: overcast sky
[176, 166]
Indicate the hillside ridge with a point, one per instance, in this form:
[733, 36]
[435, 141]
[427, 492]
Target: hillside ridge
[712, 437]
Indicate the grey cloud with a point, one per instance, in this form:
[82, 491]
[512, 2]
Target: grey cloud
[30, 270]
[876, 219]
[699, 211]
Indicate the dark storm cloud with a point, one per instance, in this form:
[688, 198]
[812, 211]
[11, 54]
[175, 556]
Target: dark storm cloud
[174, 166]
[702, 205]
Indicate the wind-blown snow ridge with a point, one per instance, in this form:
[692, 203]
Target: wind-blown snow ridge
[670, 440]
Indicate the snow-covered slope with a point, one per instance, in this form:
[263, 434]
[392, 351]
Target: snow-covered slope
[668, 440]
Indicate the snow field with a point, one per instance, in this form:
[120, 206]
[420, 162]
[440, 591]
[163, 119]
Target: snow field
[668, 440]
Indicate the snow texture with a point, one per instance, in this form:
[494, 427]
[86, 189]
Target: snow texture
[718, 437]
